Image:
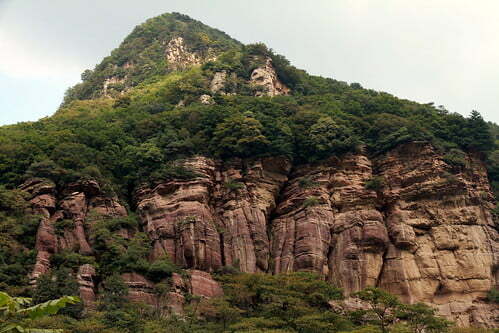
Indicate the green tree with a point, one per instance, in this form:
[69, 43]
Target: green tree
[478, 136]
[383, 306]
[422, 318]
[241, 136]
[327, 137]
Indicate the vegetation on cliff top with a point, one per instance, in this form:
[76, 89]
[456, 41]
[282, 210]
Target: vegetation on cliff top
[131, 138]
[152, 119]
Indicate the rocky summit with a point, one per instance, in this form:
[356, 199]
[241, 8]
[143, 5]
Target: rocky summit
[186, 163]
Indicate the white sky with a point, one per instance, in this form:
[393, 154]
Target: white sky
[442, 51]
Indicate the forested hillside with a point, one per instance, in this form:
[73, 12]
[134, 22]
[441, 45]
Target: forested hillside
[179, 117]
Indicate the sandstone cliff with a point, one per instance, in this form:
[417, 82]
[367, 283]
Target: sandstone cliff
[425, 233]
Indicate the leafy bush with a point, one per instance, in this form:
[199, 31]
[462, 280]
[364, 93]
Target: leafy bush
[307, 182]
[57, 284]
[493, 296]
[455, 158]
[173, 171]
[61, 225]
[232, 185]
[161, 269]
[311, 201]
[70, 259]
[375, 184]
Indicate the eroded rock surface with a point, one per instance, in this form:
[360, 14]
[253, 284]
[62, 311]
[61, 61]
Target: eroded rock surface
[85, 277]
[266, 77]
[426, 235]
[74, 204]
[443, 238]
[217, 84]
[217, 219]
[178, 56]
[327, 222]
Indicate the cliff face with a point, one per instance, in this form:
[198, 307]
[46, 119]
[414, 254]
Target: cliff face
[426, 235]
[73, 204]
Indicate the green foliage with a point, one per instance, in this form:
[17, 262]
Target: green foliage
[376, 183]
[266, 302]
[62, 225]
[327, 138]
[55, 285]
[173, 171]
[17, 241]
[383, 307]
[115, 253]
[311, 201]
[493, 296]
[241, 136]
[307, 182]
[162, 268]
[422, 318]
[14, 309]
[70, 259]
[232, 185]
[456, 158]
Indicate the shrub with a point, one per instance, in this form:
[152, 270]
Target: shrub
[449, 178]
[375, 184]
[232, 185]
[161, 269]
[493, 296]
[172, 171]
[228, 270]
[61, 225]
[311, 201]
[70, 259]
[307, 182]
[57, 284]
[495, 211]
[456, 158]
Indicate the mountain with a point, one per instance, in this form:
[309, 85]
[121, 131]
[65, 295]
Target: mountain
[186, 157]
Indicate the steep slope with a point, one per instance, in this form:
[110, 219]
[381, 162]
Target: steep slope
[160, 45]
[186, 153]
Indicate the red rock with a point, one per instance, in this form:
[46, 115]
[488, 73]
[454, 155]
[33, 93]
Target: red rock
[202, 284]
[85, 278]
[140, 289]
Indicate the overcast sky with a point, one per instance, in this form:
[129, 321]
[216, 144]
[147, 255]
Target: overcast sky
[442, 51]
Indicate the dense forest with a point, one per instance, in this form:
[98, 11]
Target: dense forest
[148, 123]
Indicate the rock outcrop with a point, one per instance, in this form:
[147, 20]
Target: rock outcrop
[85, 277]
[177, 55]
[426, 233]
[74, 204]
[217, 84]
[217, 219]
[266, 77]
[194, 282]
[327, 222]
[443, 246]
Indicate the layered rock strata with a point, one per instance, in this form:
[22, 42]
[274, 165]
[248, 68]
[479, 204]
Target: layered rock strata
[426, 235]
[425, 232]
[217, 219]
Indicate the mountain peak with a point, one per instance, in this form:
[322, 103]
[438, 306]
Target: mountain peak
[162, 44]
